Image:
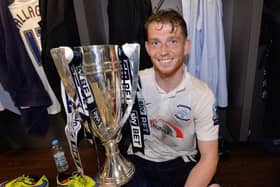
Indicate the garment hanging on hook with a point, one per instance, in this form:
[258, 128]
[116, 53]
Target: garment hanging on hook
[19, 78]
[27, 17]
[126, 24]
[58, 28]
[207, 53]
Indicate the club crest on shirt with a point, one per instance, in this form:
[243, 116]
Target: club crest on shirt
[183, 112]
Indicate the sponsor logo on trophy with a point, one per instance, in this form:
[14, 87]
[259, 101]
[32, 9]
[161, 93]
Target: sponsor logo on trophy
[107, 77]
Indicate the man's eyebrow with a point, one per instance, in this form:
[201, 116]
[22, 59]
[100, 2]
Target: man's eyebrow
[153, 39]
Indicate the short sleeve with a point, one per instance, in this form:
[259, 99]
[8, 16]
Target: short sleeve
[205, 116]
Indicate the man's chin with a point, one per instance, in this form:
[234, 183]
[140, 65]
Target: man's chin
[164, 72]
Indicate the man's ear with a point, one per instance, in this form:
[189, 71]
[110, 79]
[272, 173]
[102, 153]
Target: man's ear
[147, 47]
[187, 46]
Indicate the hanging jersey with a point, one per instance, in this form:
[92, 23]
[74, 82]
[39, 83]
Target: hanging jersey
[175, 120]
[27, 16]
[207, 52]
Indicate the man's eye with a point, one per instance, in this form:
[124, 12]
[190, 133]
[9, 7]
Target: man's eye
[155, 43]
[172, 42]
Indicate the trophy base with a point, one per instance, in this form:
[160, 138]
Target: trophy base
[116, 169]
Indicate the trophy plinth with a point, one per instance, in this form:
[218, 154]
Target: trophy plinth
[109, 86]
[116, 169]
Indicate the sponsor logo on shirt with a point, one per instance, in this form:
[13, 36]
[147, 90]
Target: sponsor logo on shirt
[167, 128]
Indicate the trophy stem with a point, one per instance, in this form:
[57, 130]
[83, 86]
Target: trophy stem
[116, 169]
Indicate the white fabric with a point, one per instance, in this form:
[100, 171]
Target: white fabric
[26, 15]
[177, 118]
[207, 54]
[6, 101]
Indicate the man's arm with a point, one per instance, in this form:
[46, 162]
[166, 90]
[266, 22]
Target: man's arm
[204, 170]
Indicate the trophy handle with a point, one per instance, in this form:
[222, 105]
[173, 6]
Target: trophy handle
[61, 57]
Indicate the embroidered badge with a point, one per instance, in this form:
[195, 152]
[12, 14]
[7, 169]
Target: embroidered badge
[183, 112]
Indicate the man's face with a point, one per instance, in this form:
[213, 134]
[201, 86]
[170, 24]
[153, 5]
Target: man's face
[166, 49]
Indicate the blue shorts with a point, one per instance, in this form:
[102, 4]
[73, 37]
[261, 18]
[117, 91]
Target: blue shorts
[171, 173]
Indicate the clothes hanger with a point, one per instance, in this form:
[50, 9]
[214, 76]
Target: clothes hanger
[158, 5]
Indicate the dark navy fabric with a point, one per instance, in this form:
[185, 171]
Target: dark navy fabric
[58, 28]
[17, 74]
[172, 173]
[126, 24]
[159, 174]
[35, 120]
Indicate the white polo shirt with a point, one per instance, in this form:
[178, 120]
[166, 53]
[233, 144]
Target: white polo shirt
[177, 118]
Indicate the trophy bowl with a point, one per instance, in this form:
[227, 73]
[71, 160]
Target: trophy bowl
[108, 76]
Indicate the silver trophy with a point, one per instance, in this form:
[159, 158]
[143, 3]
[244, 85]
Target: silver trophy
[106, 76]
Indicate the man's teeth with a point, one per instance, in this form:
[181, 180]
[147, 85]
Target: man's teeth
[165, 60]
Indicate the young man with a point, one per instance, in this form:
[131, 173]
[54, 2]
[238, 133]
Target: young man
[181, 112]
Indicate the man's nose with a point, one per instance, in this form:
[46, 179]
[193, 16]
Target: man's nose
[163, 49]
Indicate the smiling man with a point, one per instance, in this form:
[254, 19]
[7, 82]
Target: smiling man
[181, 113]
